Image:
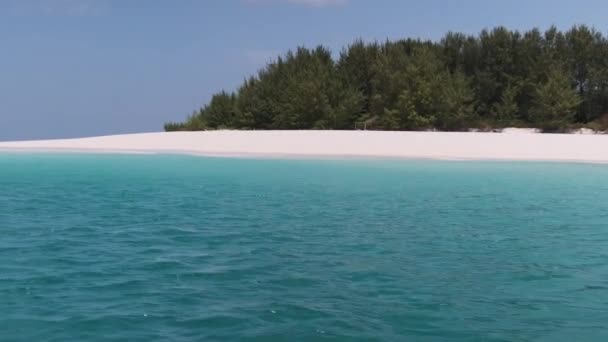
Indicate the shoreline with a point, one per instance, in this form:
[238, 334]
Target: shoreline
[269, 156]
[453, 146]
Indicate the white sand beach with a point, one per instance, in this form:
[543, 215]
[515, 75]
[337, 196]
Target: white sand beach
[512, 145]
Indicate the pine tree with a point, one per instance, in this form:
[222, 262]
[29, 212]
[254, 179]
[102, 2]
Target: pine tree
[454, 105]
[498, 78]
[505, 111]
[555, 102]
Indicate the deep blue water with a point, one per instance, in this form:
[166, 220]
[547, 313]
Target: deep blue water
[177, 248]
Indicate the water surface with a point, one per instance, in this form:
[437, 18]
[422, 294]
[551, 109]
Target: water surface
[177, 248]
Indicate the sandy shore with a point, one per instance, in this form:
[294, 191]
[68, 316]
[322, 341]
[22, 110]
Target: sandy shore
[369, 144]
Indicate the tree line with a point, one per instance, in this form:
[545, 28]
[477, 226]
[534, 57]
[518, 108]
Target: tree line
[551, 80]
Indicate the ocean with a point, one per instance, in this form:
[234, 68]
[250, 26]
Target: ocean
[184, 248]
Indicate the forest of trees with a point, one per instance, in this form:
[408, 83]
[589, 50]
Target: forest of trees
[551, 80]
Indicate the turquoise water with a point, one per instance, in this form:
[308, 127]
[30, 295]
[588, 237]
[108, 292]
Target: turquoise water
[177, 248]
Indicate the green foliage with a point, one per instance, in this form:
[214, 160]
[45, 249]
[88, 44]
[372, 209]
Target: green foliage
[411, 118]
[174, 126]
[454, 104]
[505, 111]
[495, 79]
[555, 102]
[221, 111]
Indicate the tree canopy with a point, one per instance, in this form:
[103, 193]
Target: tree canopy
[552, 80]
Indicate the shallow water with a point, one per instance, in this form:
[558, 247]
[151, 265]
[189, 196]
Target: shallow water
[177, 248]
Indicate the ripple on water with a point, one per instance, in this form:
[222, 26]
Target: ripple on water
[158, 248]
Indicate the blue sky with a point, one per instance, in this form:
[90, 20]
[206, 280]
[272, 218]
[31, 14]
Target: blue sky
[72, 68]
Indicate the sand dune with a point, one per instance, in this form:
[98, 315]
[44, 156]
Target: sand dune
[434, 145]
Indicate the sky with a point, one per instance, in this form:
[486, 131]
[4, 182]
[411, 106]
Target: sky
[74, 68]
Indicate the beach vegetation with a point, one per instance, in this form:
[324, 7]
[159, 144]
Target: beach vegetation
[551, 80]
